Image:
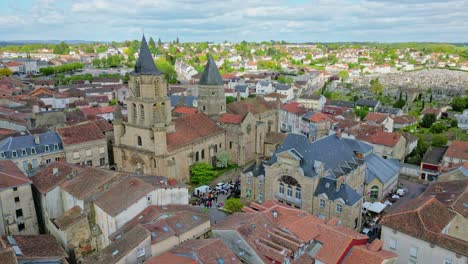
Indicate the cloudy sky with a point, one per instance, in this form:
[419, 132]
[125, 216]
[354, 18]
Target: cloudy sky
[236, 20]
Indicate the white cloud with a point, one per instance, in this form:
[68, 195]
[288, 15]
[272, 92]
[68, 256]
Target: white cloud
[255, 20]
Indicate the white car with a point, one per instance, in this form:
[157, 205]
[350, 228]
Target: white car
[220, 186]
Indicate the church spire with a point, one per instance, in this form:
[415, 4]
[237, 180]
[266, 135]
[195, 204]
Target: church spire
[145, 63]
[210, 75]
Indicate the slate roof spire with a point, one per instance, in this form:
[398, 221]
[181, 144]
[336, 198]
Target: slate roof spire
[145, 63]
[210, 75]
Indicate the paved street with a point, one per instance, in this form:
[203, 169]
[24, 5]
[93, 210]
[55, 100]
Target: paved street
[414, 190]
[216, 215]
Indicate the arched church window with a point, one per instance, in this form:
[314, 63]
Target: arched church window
[142, 112]
[134, 110]
[197, 156]
[203, 154]
[139, 141]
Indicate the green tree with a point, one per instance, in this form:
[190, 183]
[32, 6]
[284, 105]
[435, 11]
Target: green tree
[428, 120]
[230, 99]
[5, 72]
[96, 62]
[113, 102]
[376, 86]
[233, 205]
[399, 103]
[344, 75]
[437, 128]
[285, 79]
[202, 173]
[454, 123]
[459, 104]
[223, 159]
[439, 141]
[62, 48]
[167, 68]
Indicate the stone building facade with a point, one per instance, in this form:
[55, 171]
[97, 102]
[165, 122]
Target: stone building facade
[17, 211]
[154, 142]
[325, 178]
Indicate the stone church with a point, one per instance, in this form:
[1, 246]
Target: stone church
[154, 142]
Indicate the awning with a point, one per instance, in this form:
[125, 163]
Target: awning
[376, 207]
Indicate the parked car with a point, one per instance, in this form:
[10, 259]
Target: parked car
[220, 186]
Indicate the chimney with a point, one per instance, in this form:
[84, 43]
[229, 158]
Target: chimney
[55, 171]
[339, 182]
[37, 140]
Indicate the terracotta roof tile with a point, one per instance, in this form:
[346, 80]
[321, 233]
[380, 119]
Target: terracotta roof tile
[39, 246]
[185, 110]
[122, 246]
[11, 176]
[207, 251]
[123, 195]
[416, 218]
[275, 137]
[230, 118]
[69, 218]
[458, 149]
[45, 180]
[87, 182]
[376, 117]
[362, 255]
[404, 119]
[255, 106]
[168, 257]
[294, 108]
[80, 133]
[191, 128]
[104, 125]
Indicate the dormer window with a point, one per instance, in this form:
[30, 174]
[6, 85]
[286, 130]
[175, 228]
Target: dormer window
[339, 208]
[47, 148]
[33, 151]
[23, 152]
[14, 154]
[2, 155]
[56, 146]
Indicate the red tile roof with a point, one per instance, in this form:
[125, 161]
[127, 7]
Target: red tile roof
[458, 150]
[337, 241]
[375, 135]
[12, 64]
[80, 133]
[435, 111]
[404, 119]
[104, 125]
[87, 182]
[319, 117]
[363, 254]
[294, 108]
[207, 251]
[378, 118]
[11, 176]
[45, 180]
[123, 195]
[168, 257]
[453, 194]
[94, 111]
[39, 246]
[228, 118]
[69, 218]
[416, 219]
[185, 110]
[191, 128]
[255, 106]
